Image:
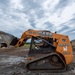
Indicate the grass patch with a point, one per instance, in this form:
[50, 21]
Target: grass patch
[27, 45]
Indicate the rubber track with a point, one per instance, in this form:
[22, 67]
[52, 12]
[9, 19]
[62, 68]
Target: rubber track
[44, 70]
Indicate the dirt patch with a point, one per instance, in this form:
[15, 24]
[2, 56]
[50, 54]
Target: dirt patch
[12, 62]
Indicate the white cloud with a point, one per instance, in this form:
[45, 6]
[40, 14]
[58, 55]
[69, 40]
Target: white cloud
[58, 18]
[49, 4]
[10, 24]
[22, 15]
[68, 12]
[16, 4]
[46, 3]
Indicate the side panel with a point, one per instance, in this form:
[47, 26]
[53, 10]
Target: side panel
[64, 47]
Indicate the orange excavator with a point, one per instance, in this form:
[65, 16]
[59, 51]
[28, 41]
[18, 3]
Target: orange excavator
[49, 51]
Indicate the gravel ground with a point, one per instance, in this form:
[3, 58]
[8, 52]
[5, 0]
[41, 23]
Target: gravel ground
[12, 62]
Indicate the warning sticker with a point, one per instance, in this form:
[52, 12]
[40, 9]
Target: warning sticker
[65, 48]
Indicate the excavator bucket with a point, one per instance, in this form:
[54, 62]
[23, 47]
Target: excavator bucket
[8, 38]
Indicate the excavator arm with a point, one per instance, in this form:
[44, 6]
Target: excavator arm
[22, 40]
[32, 33]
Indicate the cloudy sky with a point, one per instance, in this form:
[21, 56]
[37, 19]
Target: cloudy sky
[16, 16]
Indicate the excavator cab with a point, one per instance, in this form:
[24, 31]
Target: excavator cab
[41, 46]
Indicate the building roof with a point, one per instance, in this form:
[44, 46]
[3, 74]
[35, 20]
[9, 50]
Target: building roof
[73, 40]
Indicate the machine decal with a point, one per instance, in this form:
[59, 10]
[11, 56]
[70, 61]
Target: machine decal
[44, 33]
[66, 53]
[65, 48]
[64, 44]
